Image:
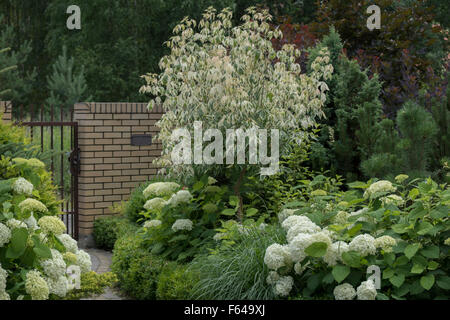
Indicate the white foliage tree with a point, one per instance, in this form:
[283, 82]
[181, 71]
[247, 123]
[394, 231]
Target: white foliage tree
[231, 77]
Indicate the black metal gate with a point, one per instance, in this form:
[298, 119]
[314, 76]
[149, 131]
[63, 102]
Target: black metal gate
[59, 139]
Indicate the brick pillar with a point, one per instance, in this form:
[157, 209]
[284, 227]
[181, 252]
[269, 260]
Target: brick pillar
[110, 166]
[5, 110]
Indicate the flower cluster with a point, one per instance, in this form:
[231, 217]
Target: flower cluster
[385, 242]
[23, 186]
[152, 223]
[32, 205]
[160, 189]
[5, 234]
[364, 244]
[54, 267]
[155, 204]
[51, 224]
[36, 286]
[182, 224]
[366, 291]
[344, 291]
[392, 199]
[15, 224]
[379, 187]
[182, 196]
[84, 261]
[283, 214]
[277, 256]
[69, 243]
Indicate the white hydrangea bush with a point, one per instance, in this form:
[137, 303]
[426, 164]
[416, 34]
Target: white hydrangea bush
[55, 251]
[231, 77]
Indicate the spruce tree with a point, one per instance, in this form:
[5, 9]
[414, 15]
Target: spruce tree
[65, 84]
[4, 86]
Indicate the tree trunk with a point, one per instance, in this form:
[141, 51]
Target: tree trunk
[237, 192]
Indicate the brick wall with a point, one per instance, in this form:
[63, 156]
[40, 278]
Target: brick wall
[110, 166]
[5, 109]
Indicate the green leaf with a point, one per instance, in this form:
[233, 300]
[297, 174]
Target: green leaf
[389, 258]
[439, 212]
[417, 268]
[411, 250]
[424, 228]
[352, 259]
[400, 228]
[317, 249]
[340, 272]
[443, 282]
[197, 186]
[413, 193]
[397, 280]
[328, 279]
[433, 265]
[418, 212]
[431, 252]
[18, 243]
[229, 212]
[42, 251]
[358, 185]
[388, 273]
[251, 212]
[427, 281]
[354, 230]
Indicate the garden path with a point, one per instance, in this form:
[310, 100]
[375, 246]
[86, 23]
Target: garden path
[101, 263]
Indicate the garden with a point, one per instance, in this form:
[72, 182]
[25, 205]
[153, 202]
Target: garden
[352, 203]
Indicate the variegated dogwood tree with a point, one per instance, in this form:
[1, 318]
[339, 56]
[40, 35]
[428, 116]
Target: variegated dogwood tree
[231, 77]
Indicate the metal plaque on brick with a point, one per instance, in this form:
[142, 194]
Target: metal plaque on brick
[141, 139]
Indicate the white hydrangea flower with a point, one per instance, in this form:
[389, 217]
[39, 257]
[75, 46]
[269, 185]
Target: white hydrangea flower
[182, 196]
[52, 224]
[341, 217]
[31, 222]
[385, 242]
[3, 276]
[378, 187]
[272, 277]
[54, 267]
[277, 256]
[293, 220]
[32, 205]
[344, 291]
[392, 199]
[285, 213]
[69, 243]
[364, 244]
[303, 240]
[14, 224]
[366, 291]
[160, 189]
[84, 261]
[5, 234]
[152, 223]
[58, 286]
[155, 204]
[4, 296]
[23, 186]
[283, 286]
[182, 224]
[334, 252]
[306, 226]
[36, 286]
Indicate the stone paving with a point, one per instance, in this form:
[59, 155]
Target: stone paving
[101, 263]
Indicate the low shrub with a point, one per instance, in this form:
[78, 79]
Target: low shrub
[236, 271]
[175, 282]
[108, 229]
[136, 268]
[92, 283]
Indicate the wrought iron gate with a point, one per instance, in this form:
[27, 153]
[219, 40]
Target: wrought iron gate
[59, 139]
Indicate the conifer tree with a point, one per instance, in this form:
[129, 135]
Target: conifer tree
[66, 85]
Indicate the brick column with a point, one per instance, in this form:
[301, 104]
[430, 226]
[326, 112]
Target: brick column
[6, 109]
[110, 166]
